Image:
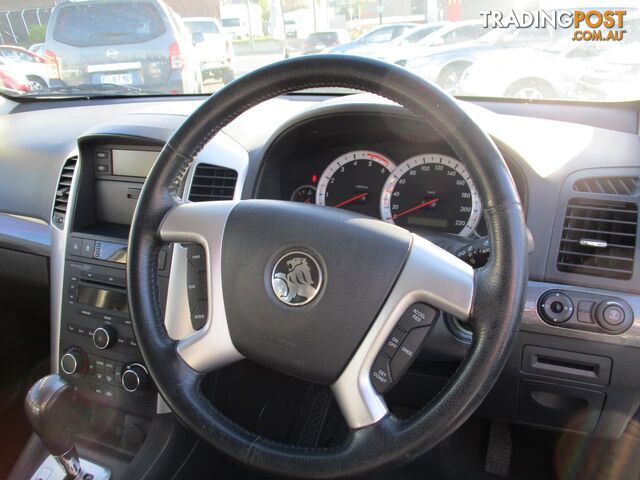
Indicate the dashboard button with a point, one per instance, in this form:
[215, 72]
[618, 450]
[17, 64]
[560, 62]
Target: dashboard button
[613, 315]
[584, 311]
[417, 315]
[555, 307]
[75, 246]
[381, 374]
[104, 337]
[88, 246]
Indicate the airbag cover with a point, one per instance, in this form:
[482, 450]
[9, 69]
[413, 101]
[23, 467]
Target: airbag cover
[360, 259]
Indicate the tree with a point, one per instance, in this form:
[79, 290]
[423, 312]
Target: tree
[37, 33]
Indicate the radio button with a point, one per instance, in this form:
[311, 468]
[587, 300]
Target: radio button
[88, 247]
[75, 246]
[104, 337]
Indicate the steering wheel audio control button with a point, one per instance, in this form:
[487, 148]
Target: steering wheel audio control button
[417, 315]
[381, 374]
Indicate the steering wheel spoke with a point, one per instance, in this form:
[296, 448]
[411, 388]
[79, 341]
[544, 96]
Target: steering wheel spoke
[431, 275]
[203, 223]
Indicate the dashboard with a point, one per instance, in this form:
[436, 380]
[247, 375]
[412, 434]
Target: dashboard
[372, 158]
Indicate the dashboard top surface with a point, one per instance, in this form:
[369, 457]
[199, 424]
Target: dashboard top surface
[545, 151]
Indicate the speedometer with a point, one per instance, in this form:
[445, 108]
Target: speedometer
[434, 192]
[354, 181]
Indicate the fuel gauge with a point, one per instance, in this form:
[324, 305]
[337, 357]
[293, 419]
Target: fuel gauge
[304, 194]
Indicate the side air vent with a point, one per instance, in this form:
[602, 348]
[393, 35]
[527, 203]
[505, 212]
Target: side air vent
[609, 185]
[61, 201]
[211, 183]
[599, 238]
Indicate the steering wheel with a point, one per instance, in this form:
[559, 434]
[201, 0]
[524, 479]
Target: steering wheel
[314, 292]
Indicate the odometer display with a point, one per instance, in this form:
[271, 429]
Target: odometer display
[353, 181]
[434, 192]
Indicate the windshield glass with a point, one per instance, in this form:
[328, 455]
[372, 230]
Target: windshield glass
[564, 50]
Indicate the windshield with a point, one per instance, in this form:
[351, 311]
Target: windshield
[567, 50]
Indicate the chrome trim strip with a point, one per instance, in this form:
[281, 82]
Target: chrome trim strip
[203, 223]
[430, 275]
[58, 253]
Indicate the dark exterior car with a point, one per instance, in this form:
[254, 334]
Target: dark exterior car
[381, 35]
[138, 44]
[317, 42]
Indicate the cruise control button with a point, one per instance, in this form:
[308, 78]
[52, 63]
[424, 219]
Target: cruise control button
[380, 374]
[393, 342]
[417, 315]
[407, 352]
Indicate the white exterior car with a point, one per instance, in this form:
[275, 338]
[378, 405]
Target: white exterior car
[213, 48]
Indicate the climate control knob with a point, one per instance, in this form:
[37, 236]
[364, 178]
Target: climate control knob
[104, 337]
[135, 377]
[73, 361]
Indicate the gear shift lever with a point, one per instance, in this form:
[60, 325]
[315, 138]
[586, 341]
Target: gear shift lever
[48, 407]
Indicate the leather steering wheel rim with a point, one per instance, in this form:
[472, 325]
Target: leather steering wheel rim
[498, 287]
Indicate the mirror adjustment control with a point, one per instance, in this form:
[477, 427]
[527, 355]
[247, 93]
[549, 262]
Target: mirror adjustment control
[104, 337]
[556, 307]
[73, 361]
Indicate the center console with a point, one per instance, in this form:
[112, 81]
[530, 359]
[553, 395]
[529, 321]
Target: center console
[98, 352]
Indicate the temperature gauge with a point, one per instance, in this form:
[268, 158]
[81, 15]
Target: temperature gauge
[304, 194]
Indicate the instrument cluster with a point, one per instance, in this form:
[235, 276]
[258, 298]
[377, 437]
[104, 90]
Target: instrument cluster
[431, 192]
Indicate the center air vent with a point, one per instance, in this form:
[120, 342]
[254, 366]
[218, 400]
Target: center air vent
[599, 238]
[629, 185]
[63, 189]
[211, 183]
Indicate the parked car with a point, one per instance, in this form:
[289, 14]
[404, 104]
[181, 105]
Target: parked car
[613, 76]
[12, 79]
[37, 48]
[27, 63]
[291, 29]
[213, 47]
[446, 64]
[409, 37]
[447, 34]
[377, 37]
[535, 73]
[317, 42]
[126, 45]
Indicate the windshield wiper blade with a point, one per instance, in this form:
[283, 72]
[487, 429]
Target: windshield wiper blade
[89, 89]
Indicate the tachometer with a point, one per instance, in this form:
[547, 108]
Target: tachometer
[434, 192]
[354, 181]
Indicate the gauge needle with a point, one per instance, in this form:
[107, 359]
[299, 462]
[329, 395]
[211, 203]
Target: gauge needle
[352, 199]
[417, 207]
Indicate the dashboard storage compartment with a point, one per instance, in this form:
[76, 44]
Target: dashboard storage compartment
[557, 406]
[566, 365]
